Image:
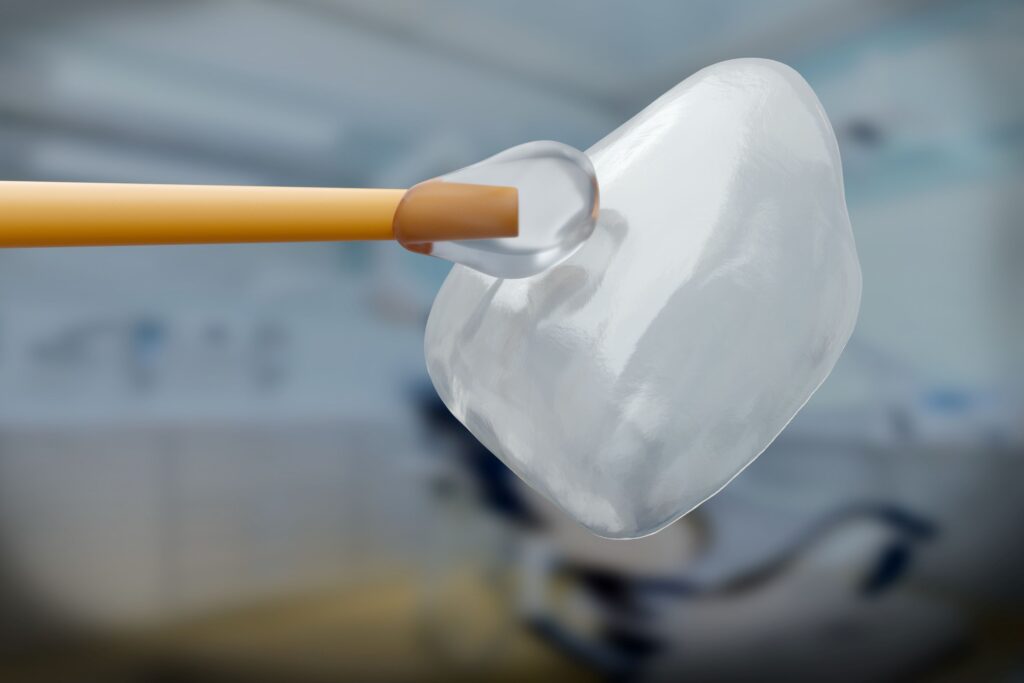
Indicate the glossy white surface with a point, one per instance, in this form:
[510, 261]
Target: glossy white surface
[634, 380]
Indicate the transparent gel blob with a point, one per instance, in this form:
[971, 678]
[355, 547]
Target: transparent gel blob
[635, 379]
[558, 205]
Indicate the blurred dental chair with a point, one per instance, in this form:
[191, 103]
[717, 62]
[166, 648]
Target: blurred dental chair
[690, 598]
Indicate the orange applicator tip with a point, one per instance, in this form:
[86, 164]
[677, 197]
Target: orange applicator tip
[442, 211]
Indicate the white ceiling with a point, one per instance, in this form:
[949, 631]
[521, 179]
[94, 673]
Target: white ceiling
[342, 92]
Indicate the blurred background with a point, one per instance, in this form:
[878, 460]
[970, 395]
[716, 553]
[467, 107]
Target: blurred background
[226, 462]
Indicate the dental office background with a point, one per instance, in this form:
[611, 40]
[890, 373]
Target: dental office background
[226, 462]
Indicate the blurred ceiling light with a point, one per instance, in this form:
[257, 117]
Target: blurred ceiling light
[191, 107]
[155, 106]
[68, 159]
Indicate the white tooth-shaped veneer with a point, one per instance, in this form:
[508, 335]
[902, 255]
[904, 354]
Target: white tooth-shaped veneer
[634, 380]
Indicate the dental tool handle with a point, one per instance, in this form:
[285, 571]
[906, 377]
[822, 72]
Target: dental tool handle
[86, 214]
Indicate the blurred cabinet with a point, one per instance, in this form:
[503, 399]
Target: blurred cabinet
[124, 526]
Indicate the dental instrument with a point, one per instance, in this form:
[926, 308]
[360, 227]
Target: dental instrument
[513, 215]
[626, 361]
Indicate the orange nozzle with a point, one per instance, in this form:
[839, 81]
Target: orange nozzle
[440, 211]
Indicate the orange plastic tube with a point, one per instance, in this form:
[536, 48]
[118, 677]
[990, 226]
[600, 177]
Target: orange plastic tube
[85, 214]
